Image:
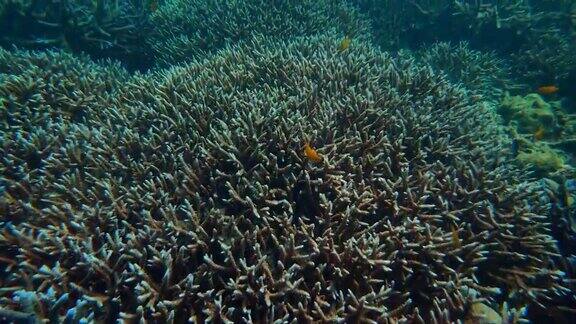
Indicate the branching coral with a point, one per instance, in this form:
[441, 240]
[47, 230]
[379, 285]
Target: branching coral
[538, 34]
[482, 72]
[548, 59]
[400, 24]
[102, 28]
[187, 30]
[44, 97]
[43, 88]
[189, 197]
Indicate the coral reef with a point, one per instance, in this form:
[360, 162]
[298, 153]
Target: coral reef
[564, 218]
[544, 132]
[407, 24]
[543, 51]
[190, 196]
[101, 28]
[44, 89]
[530, 113]
[43, 96]
[186, 30]
[482, 72]
[544, 139]
[541, 157]
[144, 33]
[548, 59]
[536, 34]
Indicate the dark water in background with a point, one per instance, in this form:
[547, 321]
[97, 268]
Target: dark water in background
[101, 144]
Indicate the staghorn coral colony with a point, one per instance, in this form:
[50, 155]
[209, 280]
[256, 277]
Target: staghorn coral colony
[280, 165]
[185, 30]
[102, 28]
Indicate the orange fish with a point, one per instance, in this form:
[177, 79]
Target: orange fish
[539, 133]
[344, 44]
[548, 90]
[311, 154]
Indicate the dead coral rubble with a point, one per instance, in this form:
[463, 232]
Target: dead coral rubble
[189, 197]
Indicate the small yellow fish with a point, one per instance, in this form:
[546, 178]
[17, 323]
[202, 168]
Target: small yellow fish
[455, 238]
[311, 154]
[539, 133]
[548, 89]
[344, 44]
[569, 201]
